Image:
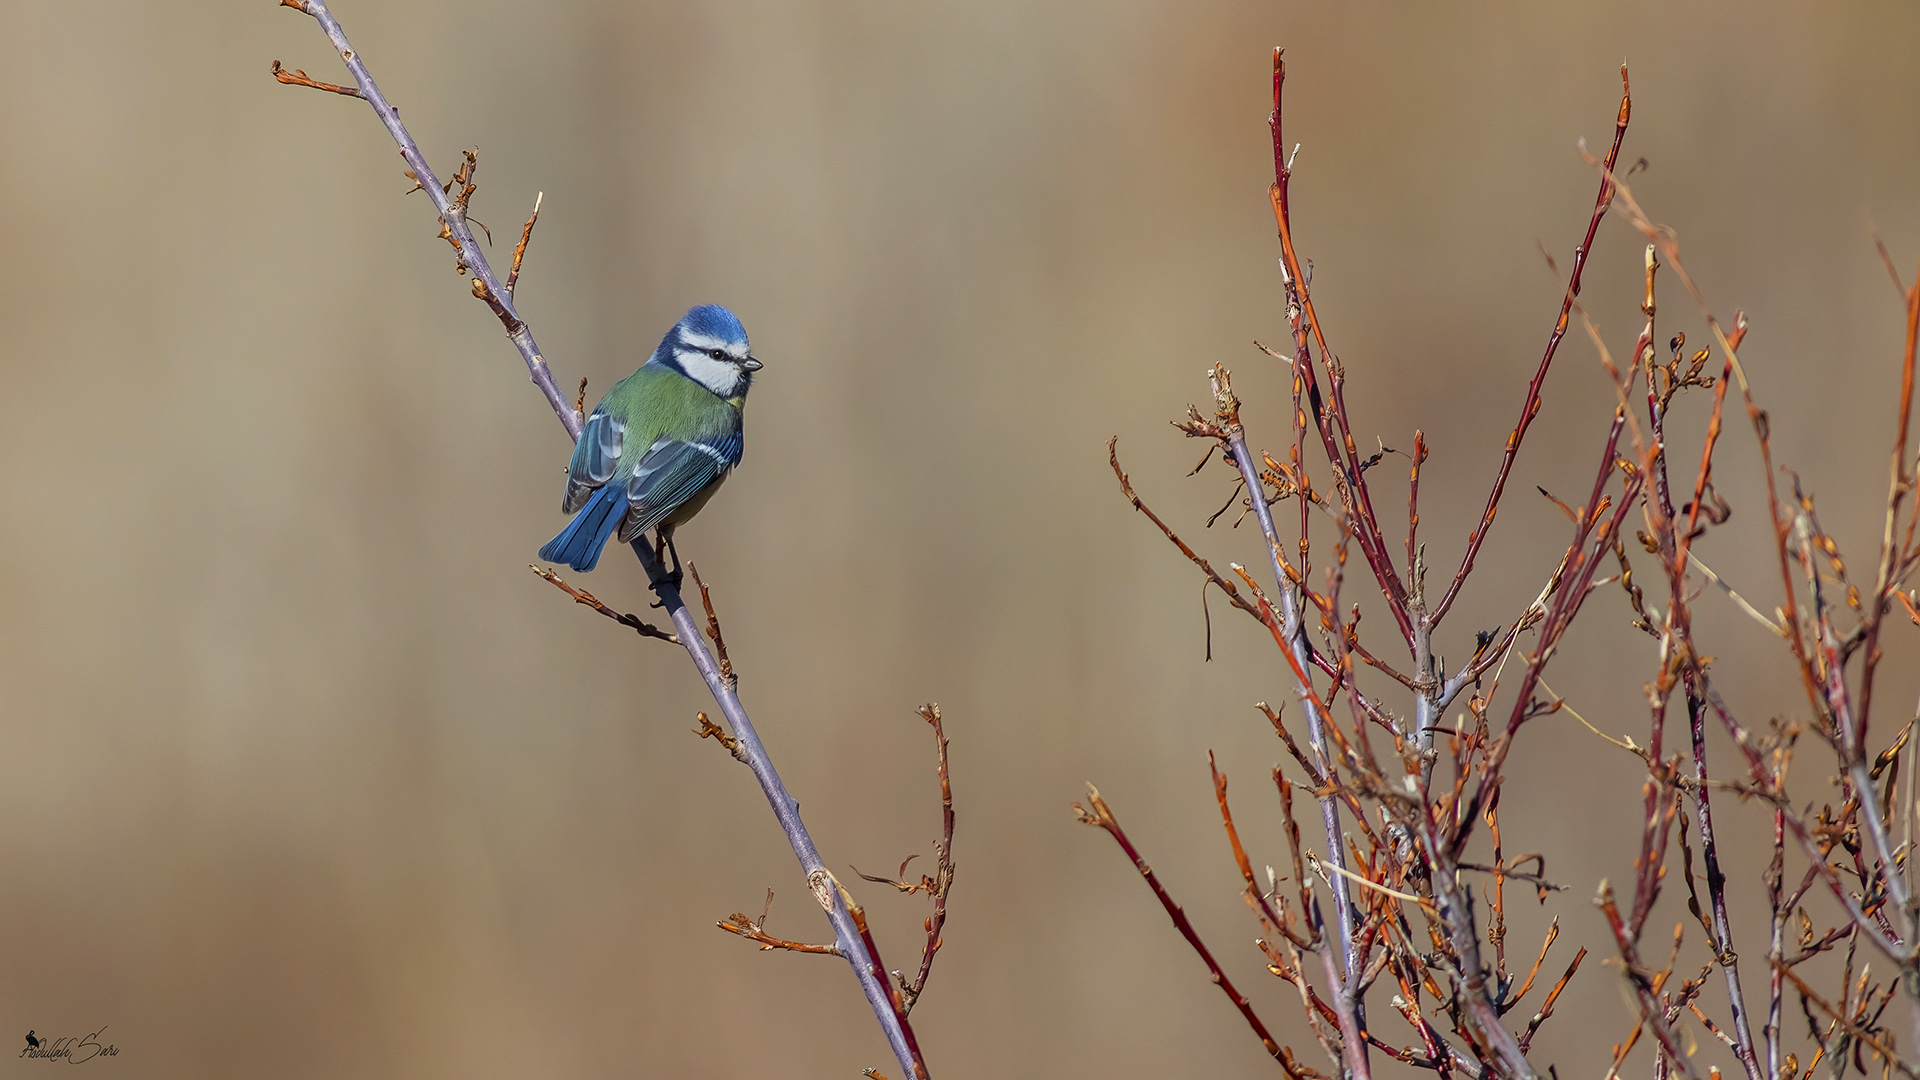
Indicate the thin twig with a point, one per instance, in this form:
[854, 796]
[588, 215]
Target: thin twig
[752, 930]
[1097, 813]
[582, 596]
[520, 249]
[1642, 985]
[942, 881]
[939, 882]
[1546, 1008]
[1840, 1017]
[1531, 406]
[713, 628]
[296, 77]
[710, 730]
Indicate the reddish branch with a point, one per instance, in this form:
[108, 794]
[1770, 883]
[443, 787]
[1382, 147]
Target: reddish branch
[1531, 406]
[1100, 815]
[942, 881]
[1820, 657]
[1336, 434]
[939, 882]
[1414, 855]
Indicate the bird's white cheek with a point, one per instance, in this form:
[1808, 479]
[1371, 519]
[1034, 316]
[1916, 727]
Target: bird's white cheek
[719, 376]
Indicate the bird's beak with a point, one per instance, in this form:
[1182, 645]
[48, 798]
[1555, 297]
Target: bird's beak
[751, 364]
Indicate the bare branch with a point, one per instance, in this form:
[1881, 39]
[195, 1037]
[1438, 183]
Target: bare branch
[687, 632]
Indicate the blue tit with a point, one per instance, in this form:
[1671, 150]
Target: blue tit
[660, 442]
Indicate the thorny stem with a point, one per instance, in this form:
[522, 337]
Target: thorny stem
[819, 879]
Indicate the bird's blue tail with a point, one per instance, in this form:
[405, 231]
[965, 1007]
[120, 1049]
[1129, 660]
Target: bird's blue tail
[580, 543]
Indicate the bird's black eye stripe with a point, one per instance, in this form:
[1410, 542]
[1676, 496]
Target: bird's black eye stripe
[717, 354]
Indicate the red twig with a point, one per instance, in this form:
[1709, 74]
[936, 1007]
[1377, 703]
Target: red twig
[938, 885]
[1305, 320]
[1100, 815]
[1531, 407]
[879, 972]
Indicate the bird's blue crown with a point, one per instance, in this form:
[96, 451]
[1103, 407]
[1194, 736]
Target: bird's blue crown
[713, 320]
[702, 328]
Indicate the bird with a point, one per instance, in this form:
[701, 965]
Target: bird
[660, 443]
[32, 1042]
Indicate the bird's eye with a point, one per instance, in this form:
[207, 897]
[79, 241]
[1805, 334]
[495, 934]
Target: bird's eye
[717, 354]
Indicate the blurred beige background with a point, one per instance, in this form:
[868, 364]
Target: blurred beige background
[309, 776]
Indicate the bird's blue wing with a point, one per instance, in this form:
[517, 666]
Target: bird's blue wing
[673, 471]
[594, 458]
